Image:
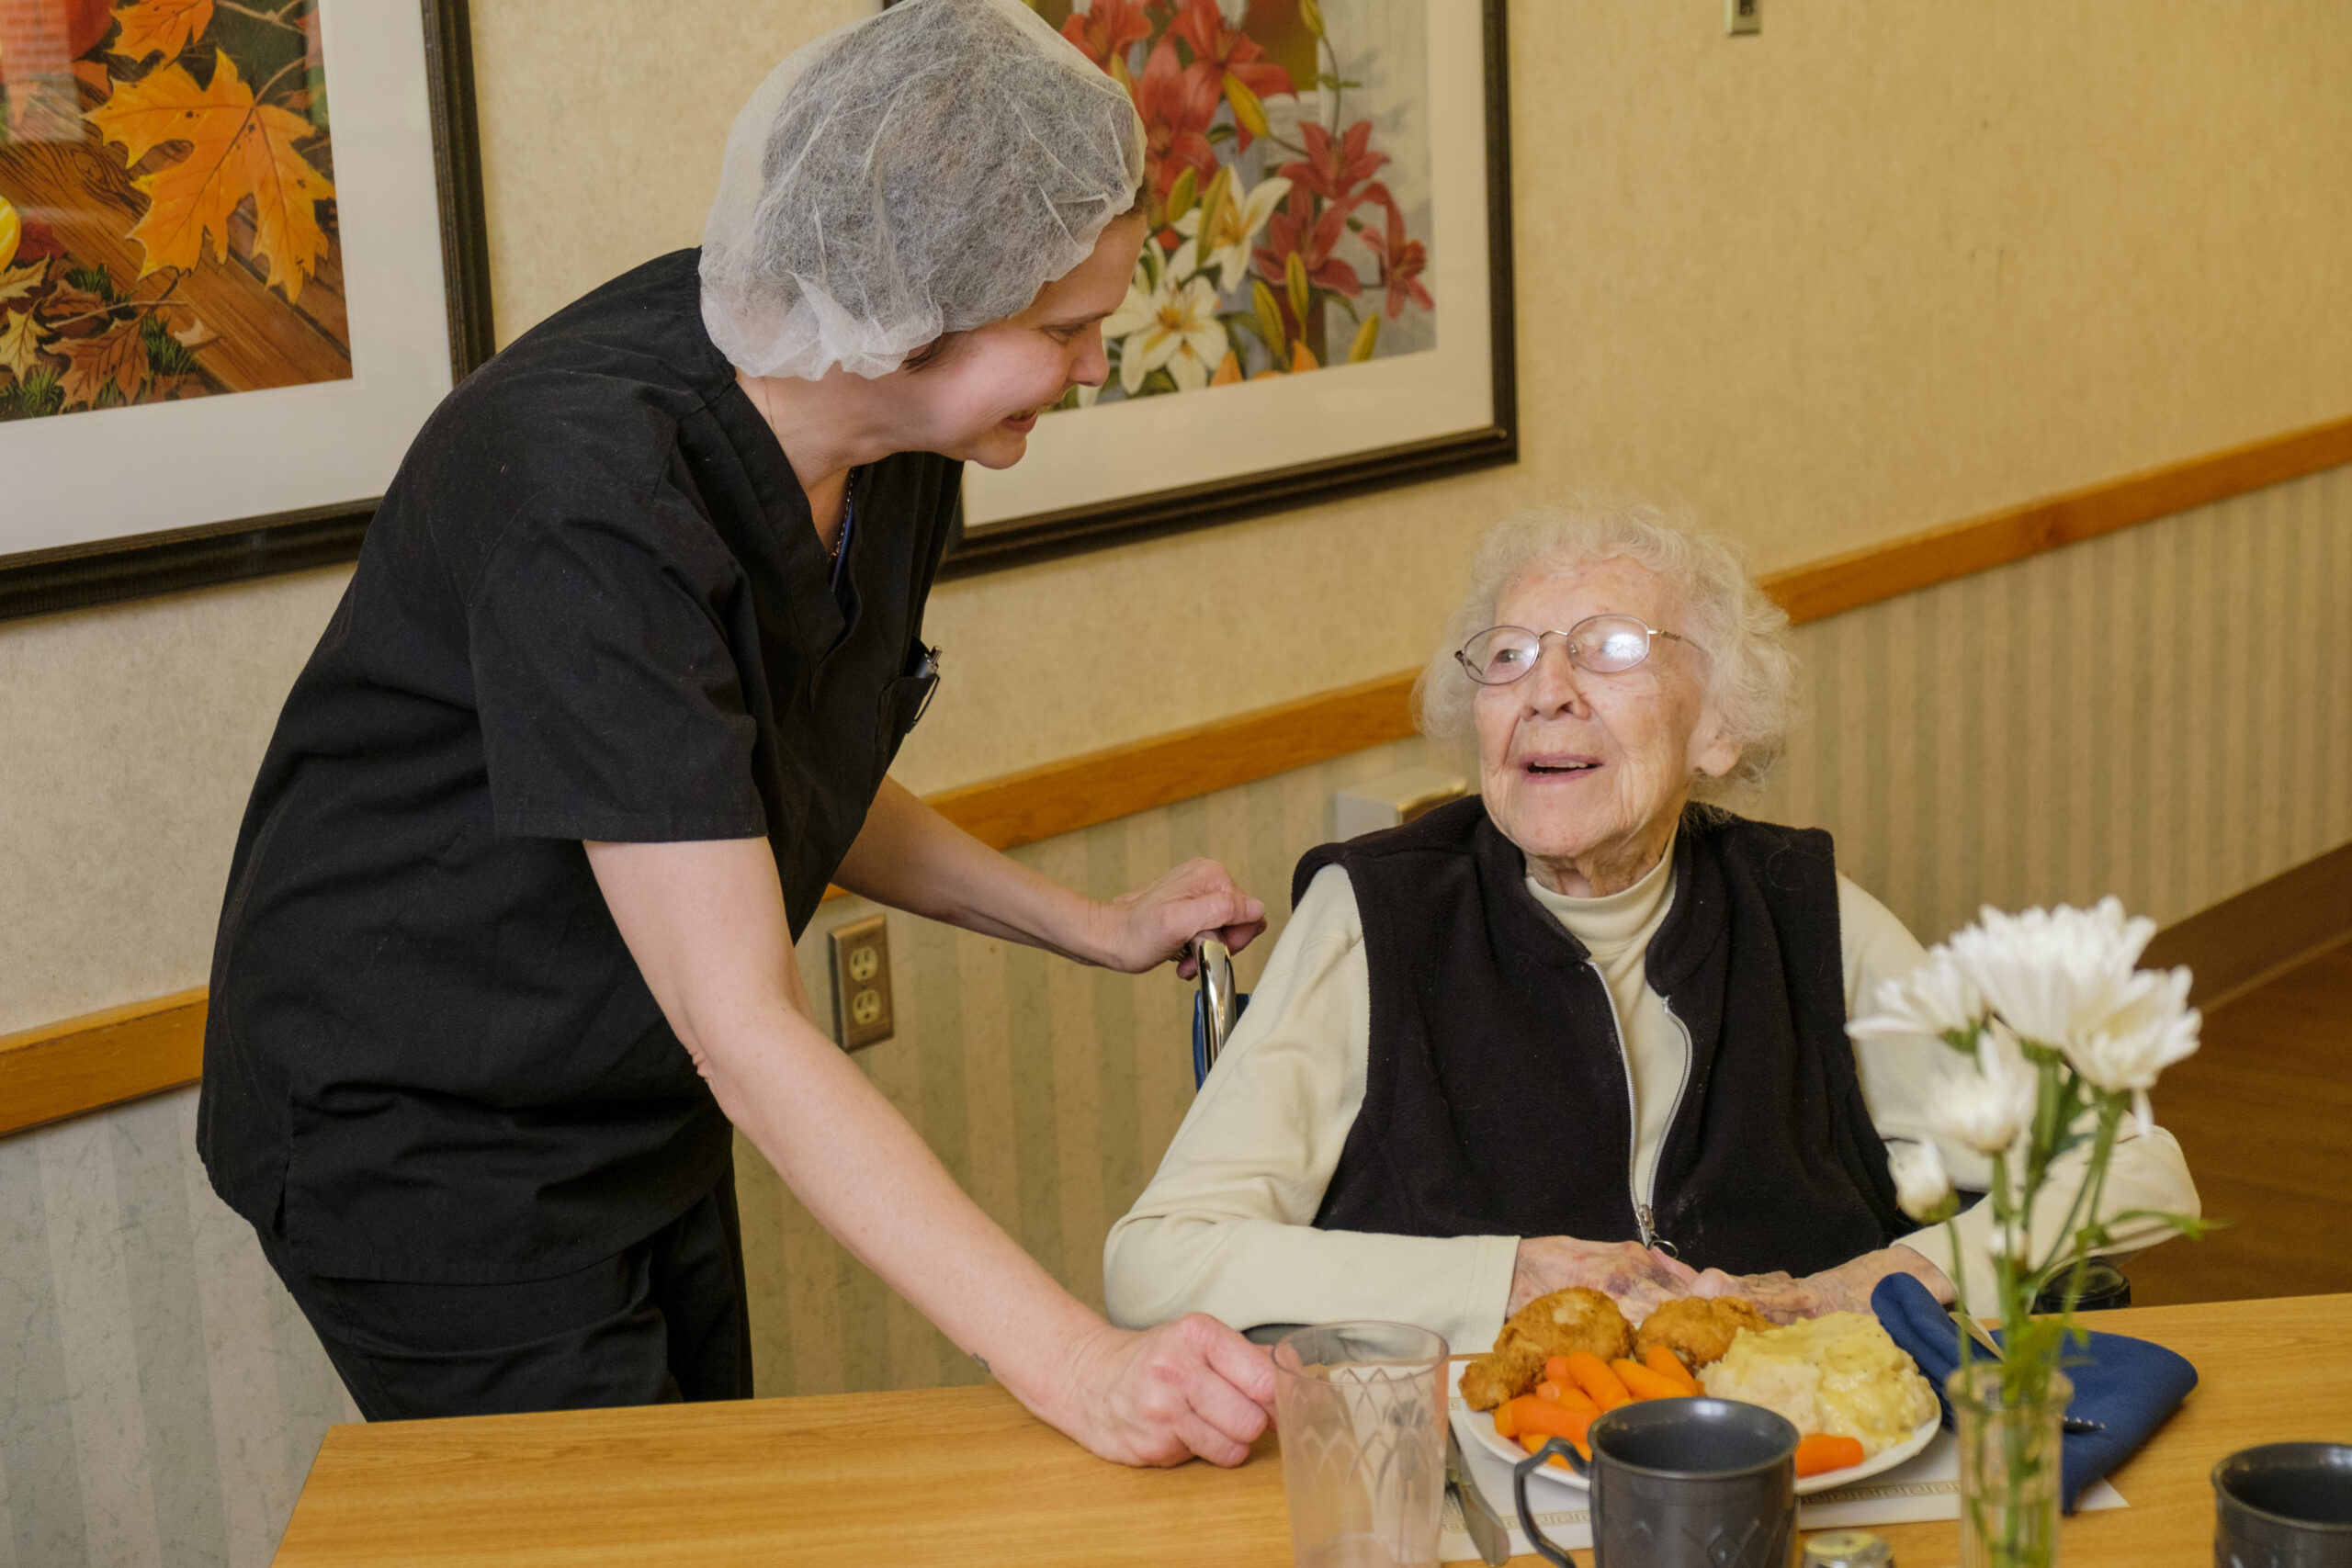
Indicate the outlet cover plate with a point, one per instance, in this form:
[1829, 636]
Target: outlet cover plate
[863, 1015]
[1743, 17]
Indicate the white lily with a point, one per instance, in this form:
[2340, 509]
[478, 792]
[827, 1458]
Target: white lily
[1174, 324]
[1987, 1106]
[1220, 240]
[1921, 1186]
[1931, 1001]
[2055, 976]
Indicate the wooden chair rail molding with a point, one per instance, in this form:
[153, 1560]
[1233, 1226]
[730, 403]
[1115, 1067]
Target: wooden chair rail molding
[86, 1064]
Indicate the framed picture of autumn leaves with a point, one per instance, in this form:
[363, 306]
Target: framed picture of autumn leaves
[241, 259]
[1324, 302]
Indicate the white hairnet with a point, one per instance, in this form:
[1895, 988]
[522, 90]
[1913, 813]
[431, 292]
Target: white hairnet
[923, 171]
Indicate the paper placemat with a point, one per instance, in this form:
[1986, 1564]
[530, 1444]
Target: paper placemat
[1926, 1487]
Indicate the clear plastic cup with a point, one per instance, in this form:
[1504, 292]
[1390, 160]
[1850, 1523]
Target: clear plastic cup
[1360, 1410]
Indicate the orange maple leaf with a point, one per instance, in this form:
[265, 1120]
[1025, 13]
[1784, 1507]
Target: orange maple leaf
[240, 149]
[118, 355]
[164, 25]
[20, 342]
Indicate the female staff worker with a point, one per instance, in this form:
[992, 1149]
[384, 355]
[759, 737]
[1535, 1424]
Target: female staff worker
[507, 944]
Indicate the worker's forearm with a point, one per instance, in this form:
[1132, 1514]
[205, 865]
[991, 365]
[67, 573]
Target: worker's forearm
[909, 857]
[871, 1181]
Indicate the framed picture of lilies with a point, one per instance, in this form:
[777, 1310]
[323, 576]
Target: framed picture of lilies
[1324, 303]
[241, 259]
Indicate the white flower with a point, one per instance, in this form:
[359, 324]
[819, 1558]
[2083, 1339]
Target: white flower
[1986, 1106]
[1933, 1000]
[1175, 324]
[2055, 975]
[1224, 247]
[1920, 1185]
[2151, 1032]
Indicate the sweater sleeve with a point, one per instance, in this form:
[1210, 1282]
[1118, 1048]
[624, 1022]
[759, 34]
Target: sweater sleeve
[1899, 1079]
[1226, 1225]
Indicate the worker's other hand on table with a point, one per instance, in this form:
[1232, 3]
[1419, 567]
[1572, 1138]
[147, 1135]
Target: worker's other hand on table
[1190, 1386]
[1143, 929]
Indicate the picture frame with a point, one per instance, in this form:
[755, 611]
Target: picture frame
[1120, 469]
[408, 265]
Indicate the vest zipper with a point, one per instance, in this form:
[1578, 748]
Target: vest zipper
[1641, 1216]
[1689, 1054]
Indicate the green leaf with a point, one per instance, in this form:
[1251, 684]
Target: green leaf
[1185, 192]
[1270, 322]
[1294, 278]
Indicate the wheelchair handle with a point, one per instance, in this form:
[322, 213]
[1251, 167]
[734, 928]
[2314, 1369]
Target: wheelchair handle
[1219, 1005]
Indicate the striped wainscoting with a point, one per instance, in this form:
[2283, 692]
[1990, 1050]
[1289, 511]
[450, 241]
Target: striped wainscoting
[2165, 713]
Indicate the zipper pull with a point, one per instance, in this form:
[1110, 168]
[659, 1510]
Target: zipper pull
[1648, 1221]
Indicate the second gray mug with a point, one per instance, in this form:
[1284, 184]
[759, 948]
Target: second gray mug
[1681, 1483]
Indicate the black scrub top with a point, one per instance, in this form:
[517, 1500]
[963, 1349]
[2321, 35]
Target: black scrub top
[592, 605]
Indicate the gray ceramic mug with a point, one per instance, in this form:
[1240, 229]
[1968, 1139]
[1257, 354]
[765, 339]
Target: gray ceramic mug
[1681, 1483]
[2284, 1505]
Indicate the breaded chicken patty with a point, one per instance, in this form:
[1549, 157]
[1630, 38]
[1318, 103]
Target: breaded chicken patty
[1698, 1330]
[1566, 1322]
[1500, 1375]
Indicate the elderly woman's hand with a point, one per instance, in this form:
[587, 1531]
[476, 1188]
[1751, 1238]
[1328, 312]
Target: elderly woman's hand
[1784, 1298]
[1634, 1276]
[1148, 926]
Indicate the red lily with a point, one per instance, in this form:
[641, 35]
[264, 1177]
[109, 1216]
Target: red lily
[1401, 263]
[1335, 167]
[1294, 227]
[1106, 32]
[1176, 107]
[1220, 53]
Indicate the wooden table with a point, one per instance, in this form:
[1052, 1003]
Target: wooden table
[965, 1477]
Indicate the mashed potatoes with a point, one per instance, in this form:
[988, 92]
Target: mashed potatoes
[1838, 1374]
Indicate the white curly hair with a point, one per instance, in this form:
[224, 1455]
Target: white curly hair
[1751, 672]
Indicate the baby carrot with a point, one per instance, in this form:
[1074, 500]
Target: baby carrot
[1533, 1443]
[1543, 1418]
[1643, 1384]
[1555, 1369]
[1548, 1389]
[1506, 1419]
[1592, 1374]
[1666, 1364]
[1823, 1452]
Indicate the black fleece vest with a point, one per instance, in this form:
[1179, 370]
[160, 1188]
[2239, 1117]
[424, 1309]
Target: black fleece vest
[1498, 1100]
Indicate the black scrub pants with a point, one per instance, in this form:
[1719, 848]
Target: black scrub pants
[661, 1321]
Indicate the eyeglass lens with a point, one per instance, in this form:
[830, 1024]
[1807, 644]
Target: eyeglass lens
[1606, 645]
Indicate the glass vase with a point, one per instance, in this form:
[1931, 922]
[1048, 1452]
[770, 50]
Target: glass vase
[2008, 1468]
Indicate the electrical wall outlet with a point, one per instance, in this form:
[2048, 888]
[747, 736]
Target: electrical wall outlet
[1743, 17]
[862, 1012]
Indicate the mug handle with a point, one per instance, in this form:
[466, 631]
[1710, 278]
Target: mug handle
[1518, 1474]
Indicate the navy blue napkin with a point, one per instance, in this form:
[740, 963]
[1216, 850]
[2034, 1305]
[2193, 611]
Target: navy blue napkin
[2127, 1385]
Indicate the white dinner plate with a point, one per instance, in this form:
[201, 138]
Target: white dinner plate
[1481, 1425]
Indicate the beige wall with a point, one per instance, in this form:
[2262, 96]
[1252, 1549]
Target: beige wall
[1885, 267]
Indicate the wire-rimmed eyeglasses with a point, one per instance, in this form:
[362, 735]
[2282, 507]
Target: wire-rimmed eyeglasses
[1605, 645]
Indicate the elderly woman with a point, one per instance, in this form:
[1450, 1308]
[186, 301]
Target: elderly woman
[1578, 1030]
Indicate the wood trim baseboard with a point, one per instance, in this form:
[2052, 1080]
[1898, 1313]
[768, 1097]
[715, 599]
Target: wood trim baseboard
[1119, 781]
[1903, 566]
[100, 1059]
[86, 1064]
[2255, 936]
